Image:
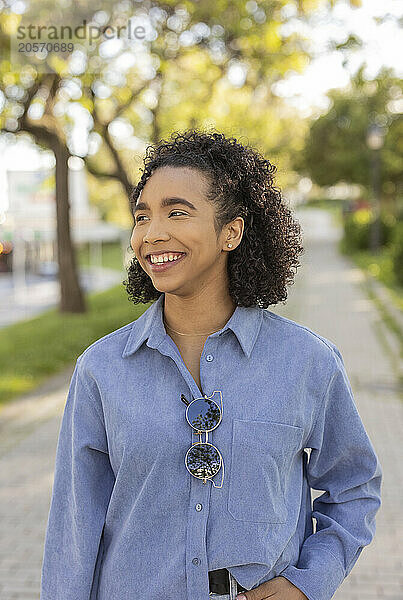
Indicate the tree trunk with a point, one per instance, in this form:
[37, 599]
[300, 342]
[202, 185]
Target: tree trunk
[71, 296]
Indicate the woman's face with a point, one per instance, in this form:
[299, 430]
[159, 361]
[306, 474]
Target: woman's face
[179, 228]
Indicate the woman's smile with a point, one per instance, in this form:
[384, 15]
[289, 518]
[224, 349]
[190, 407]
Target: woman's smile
[166, 264]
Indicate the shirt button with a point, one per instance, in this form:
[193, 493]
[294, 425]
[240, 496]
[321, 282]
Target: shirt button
[195, 561]
[199, 507]
[209, 357]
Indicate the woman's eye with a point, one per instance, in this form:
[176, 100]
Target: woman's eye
[178, 212]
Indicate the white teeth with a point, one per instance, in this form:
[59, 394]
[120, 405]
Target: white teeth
[164, 258]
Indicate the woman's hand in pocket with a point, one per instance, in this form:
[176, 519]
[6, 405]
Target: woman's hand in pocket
[278, 588]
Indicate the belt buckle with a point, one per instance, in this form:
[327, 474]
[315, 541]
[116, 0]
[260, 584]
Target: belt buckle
[230, 586]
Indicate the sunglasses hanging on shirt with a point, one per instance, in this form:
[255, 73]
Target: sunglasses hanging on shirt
[203, 460]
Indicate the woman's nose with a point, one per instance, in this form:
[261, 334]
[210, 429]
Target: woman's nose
[155, 231]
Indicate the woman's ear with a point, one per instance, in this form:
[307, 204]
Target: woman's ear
[235, 232]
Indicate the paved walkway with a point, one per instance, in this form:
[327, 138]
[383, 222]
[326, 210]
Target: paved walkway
[328, 298]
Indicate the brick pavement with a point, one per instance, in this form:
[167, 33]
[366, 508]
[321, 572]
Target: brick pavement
[28, 437]
[329, 298]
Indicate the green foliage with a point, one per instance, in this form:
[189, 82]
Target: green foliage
[357, 229]
[336, 147]
[380, 266]
[397, 252]
[189, 85]
[110, 199]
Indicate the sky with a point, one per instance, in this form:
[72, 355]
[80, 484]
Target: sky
[383, 45]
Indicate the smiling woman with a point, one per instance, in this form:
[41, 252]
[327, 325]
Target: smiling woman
[214, 188]
[142, 509]
[210, 228]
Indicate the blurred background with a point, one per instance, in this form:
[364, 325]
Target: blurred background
[315, 85]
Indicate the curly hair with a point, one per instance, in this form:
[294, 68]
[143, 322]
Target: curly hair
[240, 184]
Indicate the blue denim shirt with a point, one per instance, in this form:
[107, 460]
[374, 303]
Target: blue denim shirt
[127, 520]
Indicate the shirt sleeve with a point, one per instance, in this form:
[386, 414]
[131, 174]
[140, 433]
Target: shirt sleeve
[344, 464]
[83, 482]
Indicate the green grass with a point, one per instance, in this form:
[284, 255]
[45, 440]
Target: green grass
[32, 350]
[380, 266]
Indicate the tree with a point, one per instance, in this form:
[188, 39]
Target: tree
[336, 148]
[230, 35]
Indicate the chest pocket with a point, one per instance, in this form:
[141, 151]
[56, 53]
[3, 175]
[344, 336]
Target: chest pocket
[261, 459]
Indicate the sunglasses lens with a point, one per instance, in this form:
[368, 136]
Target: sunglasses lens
[203, 414]
[203, 460]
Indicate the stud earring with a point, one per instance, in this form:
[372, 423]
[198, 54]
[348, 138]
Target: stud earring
[229, 245]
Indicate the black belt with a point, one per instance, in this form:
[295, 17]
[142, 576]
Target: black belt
[219, 582]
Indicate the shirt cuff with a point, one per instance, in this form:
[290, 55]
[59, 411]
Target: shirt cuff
[318, 574]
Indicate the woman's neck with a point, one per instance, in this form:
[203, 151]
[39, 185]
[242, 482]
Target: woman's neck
[192, 316]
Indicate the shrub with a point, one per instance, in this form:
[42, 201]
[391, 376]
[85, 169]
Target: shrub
[397, 252]
[357, 229]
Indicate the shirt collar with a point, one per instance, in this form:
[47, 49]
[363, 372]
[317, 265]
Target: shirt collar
[245, 322]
